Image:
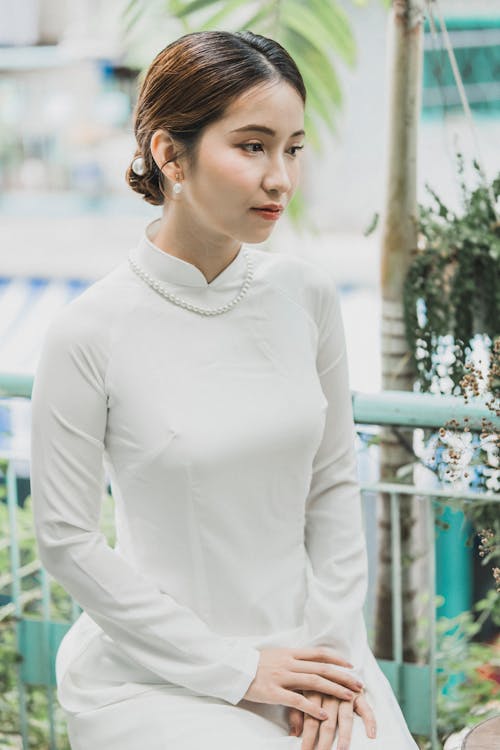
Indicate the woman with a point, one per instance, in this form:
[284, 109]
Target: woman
[208, 382]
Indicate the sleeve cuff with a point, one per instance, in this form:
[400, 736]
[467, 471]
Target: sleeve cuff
[245, 661]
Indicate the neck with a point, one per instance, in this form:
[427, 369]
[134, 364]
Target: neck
[185, 238]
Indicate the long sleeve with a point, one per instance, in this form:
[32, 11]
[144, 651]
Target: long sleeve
[334, 537]
[69, 416]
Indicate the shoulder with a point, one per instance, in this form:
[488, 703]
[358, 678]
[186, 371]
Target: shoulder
[86, 322]
[300, 279]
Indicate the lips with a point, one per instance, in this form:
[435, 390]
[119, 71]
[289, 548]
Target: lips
[268, 210]
[267, 214]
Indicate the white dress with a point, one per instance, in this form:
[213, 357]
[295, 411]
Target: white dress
[228, 441]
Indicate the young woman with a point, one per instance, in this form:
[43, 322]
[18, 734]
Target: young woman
[208, 382]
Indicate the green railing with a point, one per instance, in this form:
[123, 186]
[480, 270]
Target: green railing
[37, 638]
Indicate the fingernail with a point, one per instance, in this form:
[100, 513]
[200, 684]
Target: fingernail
[359, 685]
[323, 715]
[349, 697]
[373, 732]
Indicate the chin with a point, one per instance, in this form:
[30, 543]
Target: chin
[257, 235]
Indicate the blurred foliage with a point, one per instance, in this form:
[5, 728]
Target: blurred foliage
[468, 671]
[452, 311]
[60, 610]
[452, 286]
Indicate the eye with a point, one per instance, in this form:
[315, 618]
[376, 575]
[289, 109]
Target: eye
[249, 146]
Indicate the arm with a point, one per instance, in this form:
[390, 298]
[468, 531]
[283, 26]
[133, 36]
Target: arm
[334, 538]
[69, 412]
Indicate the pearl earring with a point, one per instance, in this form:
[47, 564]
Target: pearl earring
[177, 185]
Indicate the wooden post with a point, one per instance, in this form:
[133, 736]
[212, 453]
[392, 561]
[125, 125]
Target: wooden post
[399, 241]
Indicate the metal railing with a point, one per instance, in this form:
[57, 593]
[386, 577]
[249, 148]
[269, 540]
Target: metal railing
[37, 638]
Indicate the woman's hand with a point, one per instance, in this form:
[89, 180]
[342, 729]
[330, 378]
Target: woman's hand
[283, 673]
[340, 714]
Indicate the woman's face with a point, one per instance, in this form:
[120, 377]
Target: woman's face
[248, 158]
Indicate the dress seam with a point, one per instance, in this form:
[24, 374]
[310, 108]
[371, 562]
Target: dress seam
[112, 342]
[306, 312]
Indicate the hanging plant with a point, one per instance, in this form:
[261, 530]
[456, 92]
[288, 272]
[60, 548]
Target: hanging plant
[452, 318]
[452, 289]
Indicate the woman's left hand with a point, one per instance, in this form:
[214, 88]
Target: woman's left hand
[341, 714]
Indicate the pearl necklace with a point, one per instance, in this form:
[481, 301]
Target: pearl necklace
[155, 284]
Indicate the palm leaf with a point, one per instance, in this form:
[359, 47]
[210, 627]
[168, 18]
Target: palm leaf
[313, 136]
[305, 23]
[131, 14]
[323, 89]
[319, 75]
[228, 8]
[193, 6]
[297, 211]
[318, 101]
[129, 7]
[262, 15]
[257, 22]
[336, 21]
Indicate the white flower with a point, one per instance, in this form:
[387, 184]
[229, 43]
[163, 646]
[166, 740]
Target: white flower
[490, 447]
[459, 441]
[458, 457]
[493, 483]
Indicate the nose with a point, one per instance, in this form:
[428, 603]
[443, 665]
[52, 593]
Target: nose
[277, 178]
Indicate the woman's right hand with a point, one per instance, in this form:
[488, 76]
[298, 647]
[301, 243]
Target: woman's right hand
[284, 671]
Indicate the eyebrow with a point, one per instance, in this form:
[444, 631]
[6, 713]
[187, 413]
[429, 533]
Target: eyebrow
[263, 129]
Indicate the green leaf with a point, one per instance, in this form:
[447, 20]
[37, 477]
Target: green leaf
[296, 210]
[324, 99]
[264, 14]
[129, 7]
[313, 136]
[316, 67]
[336, 20]
[372, 225]
[219, 16]
[131, 14]
[320, 28]
[321, 108]
[323, 93]
[193, 6]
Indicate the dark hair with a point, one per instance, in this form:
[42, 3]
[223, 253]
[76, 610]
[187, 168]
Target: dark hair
[190, 84]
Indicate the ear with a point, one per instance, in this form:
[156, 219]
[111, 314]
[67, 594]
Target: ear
[163, 149]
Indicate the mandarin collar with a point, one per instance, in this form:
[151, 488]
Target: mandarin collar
[169, 268]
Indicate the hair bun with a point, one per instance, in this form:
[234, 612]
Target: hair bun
[146, 184]
[138, 166]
